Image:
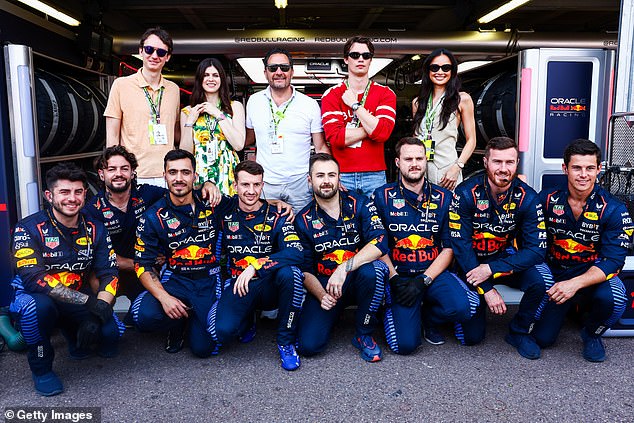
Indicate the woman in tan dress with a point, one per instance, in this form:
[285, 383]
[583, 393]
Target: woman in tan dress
[438, 111]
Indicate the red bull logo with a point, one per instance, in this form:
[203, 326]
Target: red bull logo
[414, 242]
[113, 286]
[488, 242]
[338, 256]
[192, 252]
[572, 246]
[488, 235]
[68, 279]
[247, 261]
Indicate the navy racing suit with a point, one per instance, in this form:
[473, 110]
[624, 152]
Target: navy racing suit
[328, 242]
[267, 241]
[187, 237]
[122, 226]
[418, 230]
[508, 234]
[46, 254]
[599, 237]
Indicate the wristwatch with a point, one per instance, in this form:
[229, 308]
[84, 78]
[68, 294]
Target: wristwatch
[460, 164]
[355, 106]
[427, 280]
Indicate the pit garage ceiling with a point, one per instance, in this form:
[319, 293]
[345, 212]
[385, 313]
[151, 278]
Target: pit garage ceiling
[122, 16]
[201, 28]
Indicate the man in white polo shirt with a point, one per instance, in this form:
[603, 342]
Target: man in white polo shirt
[283, 122]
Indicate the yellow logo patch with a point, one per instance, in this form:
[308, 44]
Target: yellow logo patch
[26, 262]
[262, 227]
[82, 241]
[23, 252]
[591, 215]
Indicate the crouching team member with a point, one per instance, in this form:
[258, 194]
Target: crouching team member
[414, 213]
[589, 232]
[498, 235]
[119, 206]
[342, 239]
[184, 229]
[55, 250]
[263, 251]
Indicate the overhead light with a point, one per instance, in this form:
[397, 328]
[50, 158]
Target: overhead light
[52, 12]
[415, 57]
[254, 68]
[281, 4]
[465, 66]
[502, 10]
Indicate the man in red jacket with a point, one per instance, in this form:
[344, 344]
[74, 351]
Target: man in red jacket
[358, 116]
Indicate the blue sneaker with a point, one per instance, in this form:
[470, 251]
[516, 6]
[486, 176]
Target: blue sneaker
[248, 335]
[593, 349]
[48, 384]
[369, 350]
[289, 357]
[525, 344]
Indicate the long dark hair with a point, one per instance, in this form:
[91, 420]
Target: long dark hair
[452, 90]
[198, 94]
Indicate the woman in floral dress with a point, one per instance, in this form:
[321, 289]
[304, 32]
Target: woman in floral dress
[212, 127]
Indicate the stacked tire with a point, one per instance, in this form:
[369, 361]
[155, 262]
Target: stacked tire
[69, 115]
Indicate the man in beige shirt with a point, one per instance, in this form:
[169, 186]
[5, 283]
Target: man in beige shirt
[143, 109]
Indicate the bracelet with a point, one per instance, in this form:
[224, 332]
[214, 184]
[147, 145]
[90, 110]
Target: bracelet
[349, 264]
[189, 125]
[460, 164]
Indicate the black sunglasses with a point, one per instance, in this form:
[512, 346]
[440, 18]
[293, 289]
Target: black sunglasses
[355, 55]
[274, 67]
[149, 50]
[436, 68]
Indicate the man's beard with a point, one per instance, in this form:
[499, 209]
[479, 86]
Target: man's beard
[120, 189]
[501, 181]
[412, 180]
[324, 196]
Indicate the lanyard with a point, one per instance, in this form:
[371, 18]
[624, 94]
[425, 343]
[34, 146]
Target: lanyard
[365, 92]
[211, 124]
[430, 114]
[155, 108]
[419, 206]
[342, 216]
[508, 199]
[278, 115]
[258, 239]
[70, 241]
